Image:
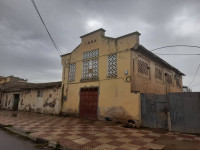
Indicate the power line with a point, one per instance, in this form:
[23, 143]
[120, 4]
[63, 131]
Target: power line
[175, 54]
[194, 75]
[195, 84]
[52, 40]
[175, 46]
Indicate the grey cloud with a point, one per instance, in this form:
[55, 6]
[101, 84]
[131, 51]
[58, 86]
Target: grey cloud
[26, 50]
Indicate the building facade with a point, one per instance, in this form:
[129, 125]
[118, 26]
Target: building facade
[33, 97]
[103, 76]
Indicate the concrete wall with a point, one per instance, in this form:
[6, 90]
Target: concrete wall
[49, 103]
[150, 84]
[115, 98]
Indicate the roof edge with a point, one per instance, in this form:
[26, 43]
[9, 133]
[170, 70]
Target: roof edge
[136, 32]
[101, 29]
[159, 59]
[65, 54]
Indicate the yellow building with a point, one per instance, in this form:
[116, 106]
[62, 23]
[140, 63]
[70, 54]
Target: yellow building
[103, 77]
[11, 80]
[3, 80]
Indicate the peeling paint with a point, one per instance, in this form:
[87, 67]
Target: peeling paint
[49, 103]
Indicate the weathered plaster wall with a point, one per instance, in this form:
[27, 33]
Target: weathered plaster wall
[7, 100]
[115, 98]
[150, 84]
[49, 103]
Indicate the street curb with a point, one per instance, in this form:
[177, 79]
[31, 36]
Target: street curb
[28, 135]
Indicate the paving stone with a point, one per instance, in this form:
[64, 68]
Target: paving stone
[76, 133]
[82, 141]
[154, 146]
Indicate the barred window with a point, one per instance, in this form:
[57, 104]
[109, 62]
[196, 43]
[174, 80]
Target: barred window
[177, 79]
[72, 71]
[158, 73]
[112, 65]
[169, 78]
[143, 66]
[90, 69]
[90, 65]
[91, 54]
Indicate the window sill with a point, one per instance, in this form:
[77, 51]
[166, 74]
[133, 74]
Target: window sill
[112, 77]
[89, 80]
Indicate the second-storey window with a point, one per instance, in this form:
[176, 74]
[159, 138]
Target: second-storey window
[168, 78]
[158, 73]
[143, 66]
[177, 79]
[72, 71]
[90, 65]
[112, 65]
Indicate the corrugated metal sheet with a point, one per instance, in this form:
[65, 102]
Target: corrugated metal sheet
[154, 111]
[184, 111]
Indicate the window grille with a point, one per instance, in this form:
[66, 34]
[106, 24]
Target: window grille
[177, 79]
[158, 73]
[72, 71]
[90, 65]
[143, 67]
[90, 69]
[112, 65]
[91, 54]
[169, 78]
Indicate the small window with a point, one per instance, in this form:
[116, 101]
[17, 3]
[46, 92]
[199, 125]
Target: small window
[72, 71]
[143, 66]
[158, 73]
[168, 78]
[112, 65]
[39, 93]
[177, 79]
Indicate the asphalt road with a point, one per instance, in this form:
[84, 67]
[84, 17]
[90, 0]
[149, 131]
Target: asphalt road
[10, 141]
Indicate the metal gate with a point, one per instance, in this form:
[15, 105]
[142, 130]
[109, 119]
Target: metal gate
[88, 103]
[154, 111]
[185, 112]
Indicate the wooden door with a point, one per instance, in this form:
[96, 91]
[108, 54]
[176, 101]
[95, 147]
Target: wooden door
[88, 103]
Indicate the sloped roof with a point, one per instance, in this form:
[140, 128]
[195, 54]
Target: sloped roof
[17, 86]
[141, 49]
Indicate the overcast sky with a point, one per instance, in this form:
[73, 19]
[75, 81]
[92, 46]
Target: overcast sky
[26, 50]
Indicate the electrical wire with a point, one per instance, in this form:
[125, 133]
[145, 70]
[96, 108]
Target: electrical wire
[175, 46]
[194, 75]
[52, 40]
[175, 54]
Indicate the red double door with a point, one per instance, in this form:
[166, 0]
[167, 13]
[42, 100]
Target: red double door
[88, 103]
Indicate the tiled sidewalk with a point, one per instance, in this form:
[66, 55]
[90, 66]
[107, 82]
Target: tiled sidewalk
[76, 133]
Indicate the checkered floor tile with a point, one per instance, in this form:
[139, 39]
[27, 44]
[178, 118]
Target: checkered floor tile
[76, 133]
